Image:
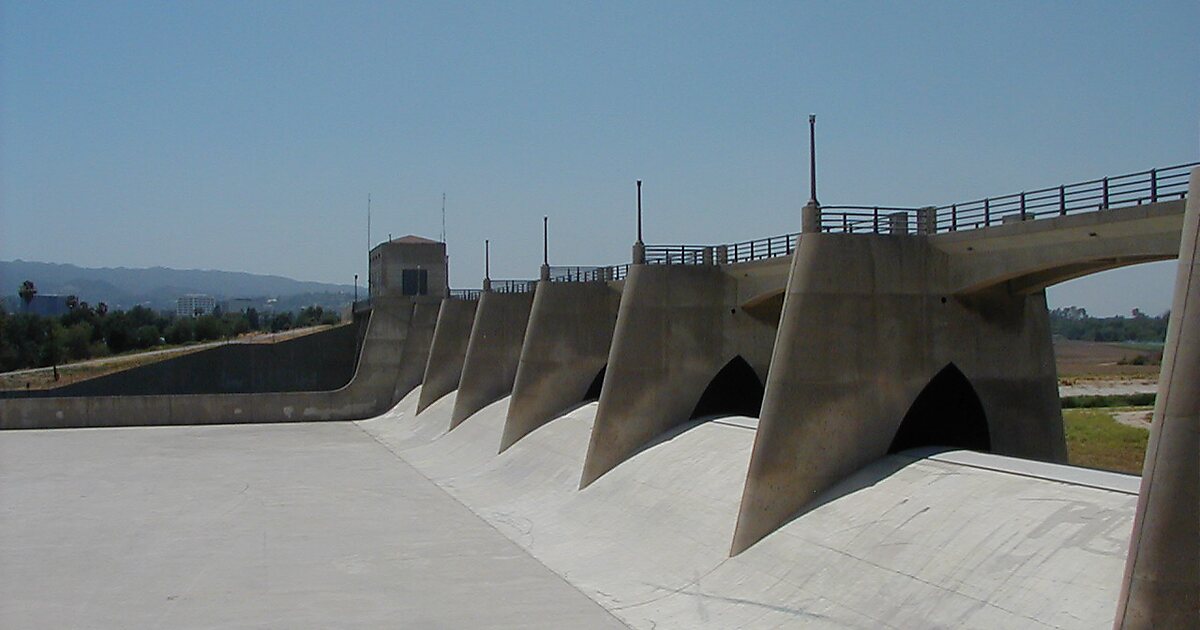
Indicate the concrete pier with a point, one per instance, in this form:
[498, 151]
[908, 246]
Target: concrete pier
[1162, 573]
[677, 327]
[414, 354]
[876, 355]
[493, 352]
[448, 350]
[565, 350]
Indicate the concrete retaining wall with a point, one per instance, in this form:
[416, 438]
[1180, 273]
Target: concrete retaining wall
[493, 352]
[369, 393]
[867, 322]
[448, 350]
[566, 345]
[1162, 572]
[676, 328]
[319, 361]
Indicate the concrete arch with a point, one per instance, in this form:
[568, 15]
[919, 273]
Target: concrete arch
[947, 412]
[735, 390]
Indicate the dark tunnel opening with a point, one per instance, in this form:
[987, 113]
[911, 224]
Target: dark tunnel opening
[734, 391]
[946, 413]
[593, 392]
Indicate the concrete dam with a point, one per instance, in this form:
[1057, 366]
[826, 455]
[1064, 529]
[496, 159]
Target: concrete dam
[856, 425]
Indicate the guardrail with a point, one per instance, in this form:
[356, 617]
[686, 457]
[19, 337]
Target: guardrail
[465, 294]
[1097, 195]
[745, 251]
[607, 273]
[513, 286]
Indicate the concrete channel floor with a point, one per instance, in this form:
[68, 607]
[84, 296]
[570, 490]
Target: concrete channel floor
[253, 526]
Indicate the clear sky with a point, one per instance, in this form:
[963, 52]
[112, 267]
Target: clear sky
[246, 136]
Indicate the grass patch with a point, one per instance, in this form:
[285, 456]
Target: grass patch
[1096, 440]
[1114, 400]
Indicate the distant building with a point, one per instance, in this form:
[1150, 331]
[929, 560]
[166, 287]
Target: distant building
[195, 305]
[46, 305]
[410, 266]
[241, 305]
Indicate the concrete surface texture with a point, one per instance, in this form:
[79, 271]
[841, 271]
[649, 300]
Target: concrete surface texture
[946, 540]
[493, 352]
[414, 353]
[448, 350]
[1162, 580]
[313, 525]
[323, 360]
[677, 327]
[370, 392]
[565, 351]
[869, 332]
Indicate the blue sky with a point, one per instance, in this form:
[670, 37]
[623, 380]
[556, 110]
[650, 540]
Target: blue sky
[246, 136]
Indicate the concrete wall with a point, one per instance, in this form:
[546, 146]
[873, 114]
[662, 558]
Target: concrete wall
[369, 393]
[566, 345]
[388, 260]
[448, 350]
[1162, 572]
[490, 367]
[867, 322]
[676, 328]
[323, 360]
[414, 355]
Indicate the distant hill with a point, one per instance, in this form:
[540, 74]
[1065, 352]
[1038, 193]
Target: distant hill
[158, 287]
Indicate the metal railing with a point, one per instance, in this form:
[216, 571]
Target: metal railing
[513, 286]
[1152, 186]
[465, 294]
[588, 274]
[745, 251]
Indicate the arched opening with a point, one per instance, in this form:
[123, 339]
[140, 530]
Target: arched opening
[734, 391]
[593, 392]
[946, 413]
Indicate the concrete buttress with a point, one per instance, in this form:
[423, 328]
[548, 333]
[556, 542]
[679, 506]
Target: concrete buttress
[414, 355]
[566, 346]
[676, 328]
[490, 366]
[448, 350]
[1162, 572]
[871, 333]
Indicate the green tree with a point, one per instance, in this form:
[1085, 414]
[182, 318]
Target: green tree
[182, 330]
[78, 341]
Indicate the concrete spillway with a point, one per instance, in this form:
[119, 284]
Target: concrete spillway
[955, 539]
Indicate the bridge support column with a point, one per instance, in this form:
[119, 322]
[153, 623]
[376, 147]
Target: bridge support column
[448, 350]
[1162, 573]
[677, 326]
[490, 366]
[414, 354]
[566, 346]
[866, 326]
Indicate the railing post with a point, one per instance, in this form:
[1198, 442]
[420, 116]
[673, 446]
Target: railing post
[751, 250]
[1062, 201]
[1022, 206]
[845, 222]
[1104, 199]
[1153, 185]
[987, 212]
[954, 217]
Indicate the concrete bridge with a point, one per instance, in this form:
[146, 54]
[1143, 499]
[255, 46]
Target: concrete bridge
[872, 331]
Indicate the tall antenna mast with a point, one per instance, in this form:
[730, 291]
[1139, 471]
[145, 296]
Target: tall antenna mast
[368, 222]
[443, 218]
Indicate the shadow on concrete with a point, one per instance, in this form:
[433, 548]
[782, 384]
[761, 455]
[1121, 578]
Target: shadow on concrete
[946, 413]
[593, 392]
[734, 391]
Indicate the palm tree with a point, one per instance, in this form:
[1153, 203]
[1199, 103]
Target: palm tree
[27, 291]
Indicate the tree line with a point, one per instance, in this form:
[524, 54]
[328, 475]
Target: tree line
[1072, 322]
[86, 332]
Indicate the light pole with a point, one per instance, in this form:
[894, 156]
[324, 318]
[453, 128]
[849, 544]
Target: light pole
[810, 216]
[545, 275]
[639, 248]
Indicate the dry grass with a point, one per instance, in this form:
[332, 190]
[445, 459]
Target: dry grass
[1096, 440]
